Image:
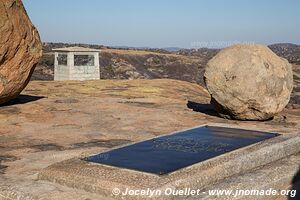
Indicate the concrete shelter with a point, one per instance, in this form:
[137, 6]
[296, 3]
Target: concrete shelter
[76, 63]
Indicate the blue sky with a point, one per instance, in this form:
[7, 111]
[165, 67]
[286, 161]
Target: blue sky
[166, 23]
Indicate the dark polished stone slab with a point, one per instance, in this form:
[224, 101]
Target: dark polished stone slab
[169, 153]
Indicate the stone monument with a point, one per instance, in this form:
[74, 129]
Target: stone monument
[76, 63]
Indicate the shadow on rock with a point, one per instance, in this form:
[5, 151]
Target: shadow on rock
[295, 186]
[207, 109]
[22, 99]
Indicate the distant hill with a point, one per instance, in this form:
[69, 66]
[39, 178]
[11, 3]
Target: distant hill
[172, 49]
[148, 63]
[48, 46]
[120, 63]
[291, 52]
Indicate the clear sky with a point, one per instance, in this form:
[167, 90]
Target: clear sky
[166, 23]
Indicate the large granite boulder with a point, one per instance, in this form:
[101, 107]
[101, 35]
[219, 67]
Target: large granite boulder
[249, 82]
[20, 49]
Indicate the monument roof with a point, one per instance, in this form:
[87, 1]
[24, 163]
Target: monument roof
[76, 49]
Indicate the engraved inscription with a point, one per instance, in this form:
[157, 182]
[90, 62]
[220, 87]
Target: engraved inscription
[189, 145]
[166, 154]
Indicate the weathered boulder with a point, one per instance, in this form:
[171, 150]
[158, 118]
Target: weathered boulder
[249, 82]
[20, 49]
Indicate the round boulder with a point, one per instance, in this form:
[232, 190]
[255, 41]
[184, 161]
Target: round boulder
[20, 49]
[249, 82]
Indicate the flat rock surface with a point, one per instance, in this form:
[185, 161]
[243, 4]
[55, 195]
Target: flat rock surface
[55, 121]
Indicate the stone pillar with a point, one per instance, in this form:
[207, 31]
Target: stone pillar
[55, 66]
[97, 65]
[70, 63]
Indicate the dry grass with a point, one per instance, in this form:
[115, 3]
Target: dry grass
[145, 53]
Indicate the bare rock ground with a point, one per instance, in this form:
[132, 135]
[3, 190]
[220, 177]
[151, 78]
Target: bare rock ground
[55, 121]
